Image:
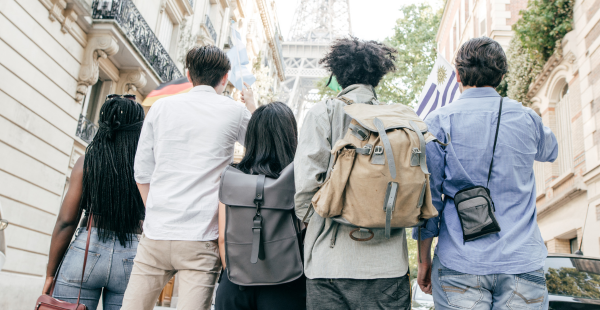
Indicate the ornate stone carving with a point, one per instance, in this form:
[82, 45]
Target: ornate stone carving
[131, 81]
[570, 57]
[539, 81]
[98, 46]
[186, 40]
[57, 11]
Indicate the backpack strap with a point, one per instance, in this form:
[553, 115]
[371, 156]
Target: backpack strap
[422, 158]
[257, 220]
[359, 132]
[495, 140]
[387, 146]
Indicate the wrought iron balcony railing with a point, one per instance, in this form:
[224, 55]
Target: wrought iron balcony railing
[86, 129]
[211, 29]
[141, 36]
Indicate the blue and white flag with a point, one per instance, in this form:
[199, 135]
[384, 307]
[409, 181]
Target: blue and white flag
[238, 56]
[440, 89]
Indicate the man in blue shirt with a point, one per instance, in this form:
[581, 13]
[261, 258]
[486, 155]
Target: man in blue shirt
[501, 270]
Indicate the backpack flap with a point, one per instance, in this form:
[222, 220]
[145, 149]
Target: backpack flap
[239, 189]
[392, 116]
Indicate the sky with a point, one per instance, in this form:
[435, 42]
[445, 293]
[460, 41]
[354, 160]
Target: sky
[371, 19]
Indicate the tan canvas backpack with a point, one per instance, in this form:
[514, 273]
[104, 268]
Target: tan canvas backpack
[379, 177]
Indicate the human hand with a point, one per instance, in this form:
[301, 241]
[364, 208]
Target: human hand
[47, 286]
[424, 276]
[248, 98]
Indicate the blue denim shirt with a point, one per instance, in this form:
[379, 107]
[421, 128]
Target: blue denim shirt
[471, 122]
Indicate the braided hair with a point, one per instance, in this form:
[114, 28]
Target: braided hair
[109, 189]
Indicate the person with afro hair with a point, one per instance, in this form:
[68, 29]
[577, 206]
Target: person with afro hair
[343, 273]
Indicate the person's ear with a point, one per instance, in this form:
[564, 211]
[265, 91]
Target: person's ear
[457, 76]
[224, 80]
[187, 73]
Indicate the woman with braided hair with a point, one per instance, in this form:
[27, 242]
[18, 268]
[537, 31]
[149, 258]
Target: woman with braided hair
[101, 185]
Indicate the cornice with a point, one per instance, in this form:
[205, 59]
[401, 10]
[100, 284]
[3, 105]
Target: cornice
[269, 32]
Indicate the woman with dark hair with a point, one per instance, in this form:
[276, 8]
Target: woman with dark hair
[103, 186]
[271, 140]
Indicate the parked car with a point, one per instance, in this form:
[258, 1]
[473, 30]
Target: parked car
[3, 225]
[573, 282]
[420, 300]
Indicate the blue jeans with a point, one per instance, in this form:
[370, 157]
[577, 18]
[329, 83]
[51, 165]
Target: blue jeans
[107, 271]
[456, 290]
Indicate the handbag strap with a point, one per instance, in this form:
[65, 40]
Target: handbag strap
[87, 247]
[495, 140]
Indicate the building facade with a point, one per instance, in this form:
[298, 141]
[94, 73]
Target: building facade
[60, 58]
[567, 95]
[568, 192]
[466, 19]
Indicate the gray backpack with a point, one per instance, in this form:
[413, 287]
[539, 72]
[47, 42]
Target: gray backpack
[262, 232]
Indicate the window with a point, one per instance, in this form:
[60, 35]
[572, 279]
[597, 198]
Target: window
[482, 18]
[467, 7]
[563, 133]
[165, 30]
[574, 245]
[96, 98]
[454, 38]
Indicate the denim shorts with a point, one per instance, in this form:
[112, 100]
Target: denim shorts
[108, 268]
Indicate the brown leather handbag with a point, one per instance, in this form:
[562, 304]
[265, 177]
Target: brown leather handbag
[47, 302]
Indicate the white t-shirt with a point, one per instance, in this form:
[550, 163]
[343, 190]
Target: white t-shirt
[186, 142]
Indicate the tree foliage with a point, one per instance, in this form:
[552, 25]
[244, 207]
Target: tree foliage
[263, 87]
[538, 33]
[571, 282]
[522, 70]
[414, 38]
[543, 25]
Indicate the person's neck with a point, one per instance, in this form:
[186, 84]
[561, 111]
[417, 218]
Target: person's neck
[219, 88]
[463, 88]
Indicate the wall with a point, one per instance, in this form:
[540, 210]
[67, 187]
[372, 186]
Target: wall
[38, 117]
[462, 21]
[574, 195]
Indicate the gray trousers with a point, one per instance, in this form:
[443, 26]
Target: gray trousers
[352, 294]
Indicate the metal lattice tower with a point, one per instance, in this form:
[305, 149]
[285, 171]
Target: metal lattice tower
[316, 24]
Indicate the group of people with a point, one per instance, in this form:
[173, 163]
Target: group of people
[149, 185]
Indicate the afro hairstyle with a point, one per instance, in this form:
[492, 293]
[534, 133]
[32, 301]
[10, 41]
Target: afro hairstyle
[354, 61]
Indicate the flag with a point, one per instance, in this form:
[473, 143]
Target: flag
[440, 89]
[238, 56]
[334, 85]
[178, 86]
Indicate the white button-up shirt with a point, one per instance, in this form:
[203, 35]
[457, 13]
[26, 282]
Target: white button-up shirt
[186, 142]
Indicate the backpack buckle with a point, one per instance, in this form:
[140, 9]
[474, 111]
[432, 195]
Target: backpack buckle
[378, 150]
[366, 150]
[415, 157]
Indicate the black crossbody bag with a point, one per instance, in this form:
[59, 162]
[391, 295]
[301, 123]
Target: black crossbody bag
[474, 205]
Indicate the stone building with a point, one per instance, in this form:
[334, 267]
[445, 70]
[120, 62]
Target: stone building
[567, 95]
[60, 58]
[568, 191]
[466, 19]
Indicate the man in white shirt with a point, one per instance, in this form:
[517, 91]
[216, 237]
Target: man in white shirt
[186, 142]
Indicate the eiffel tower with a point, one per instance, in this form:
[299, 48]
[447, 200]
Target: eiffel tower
[315, 25]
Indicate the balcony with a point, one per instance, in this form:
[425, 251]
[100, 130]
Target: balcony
[86, 129]
[211, 29]
[140, 35]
